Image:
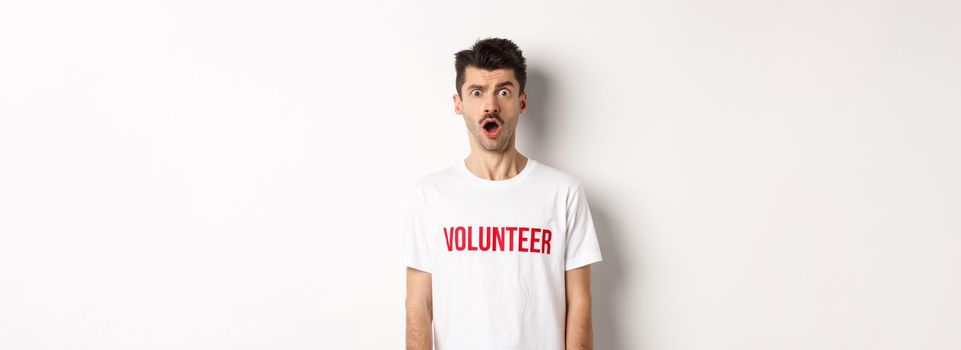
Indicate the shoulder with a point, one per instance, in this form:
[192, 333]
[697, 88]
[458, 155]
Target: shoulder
[433, 179]
[554, 176]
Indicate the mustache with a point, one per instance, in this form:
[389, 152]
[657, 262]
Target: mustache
[492, 116]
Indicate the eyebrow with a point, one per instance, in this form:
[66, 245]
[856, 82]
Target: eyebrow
[482, 88]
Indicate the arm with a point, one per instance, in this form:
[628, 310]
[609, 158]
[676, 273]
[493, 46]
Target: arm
[419, 310]
[578, 284]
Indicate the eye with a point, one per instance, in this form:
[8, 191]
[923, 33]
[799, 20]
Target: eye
[504, 92]
[475, 92]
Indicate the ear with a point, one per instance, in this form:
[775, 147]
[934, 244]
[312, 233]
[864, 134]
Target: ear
[457, 104]
[523, 101]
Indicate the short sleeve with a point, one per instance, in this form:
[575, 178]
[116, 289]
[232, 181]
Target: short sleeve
[582, 247]
[415, 249]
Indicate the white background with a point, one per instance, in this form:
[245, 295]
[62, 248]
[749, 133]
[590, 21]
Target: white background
[232, 175]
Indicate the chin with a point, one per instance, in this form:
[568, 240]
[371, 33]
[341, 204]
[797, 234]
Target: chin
[497, 147]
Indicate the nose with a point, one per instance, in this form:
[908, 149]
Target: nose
[490, 106]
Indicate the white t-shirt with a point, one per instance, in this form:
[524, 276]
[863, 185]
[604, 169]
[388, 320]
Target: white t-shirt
[497, 252]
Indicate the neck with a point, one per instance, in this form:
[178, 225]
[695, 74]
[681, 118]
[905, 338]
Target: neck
[496, 165]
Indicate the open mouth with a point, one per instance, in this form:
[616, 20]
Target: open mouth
[491, 128]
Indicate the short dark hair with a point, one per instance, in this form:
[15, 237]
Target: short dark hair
[491, 54]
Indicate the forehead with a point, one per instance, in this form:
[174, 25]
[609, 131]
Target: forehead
[477, 76]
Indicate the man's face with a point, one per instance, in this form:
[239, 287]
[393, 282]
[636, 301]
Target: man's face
[491, 98]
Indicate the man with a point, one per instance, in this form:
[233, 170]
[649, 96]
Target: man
[498, 246]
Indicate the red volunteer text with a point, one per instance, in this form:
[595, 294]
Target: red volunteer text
[525, 239]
